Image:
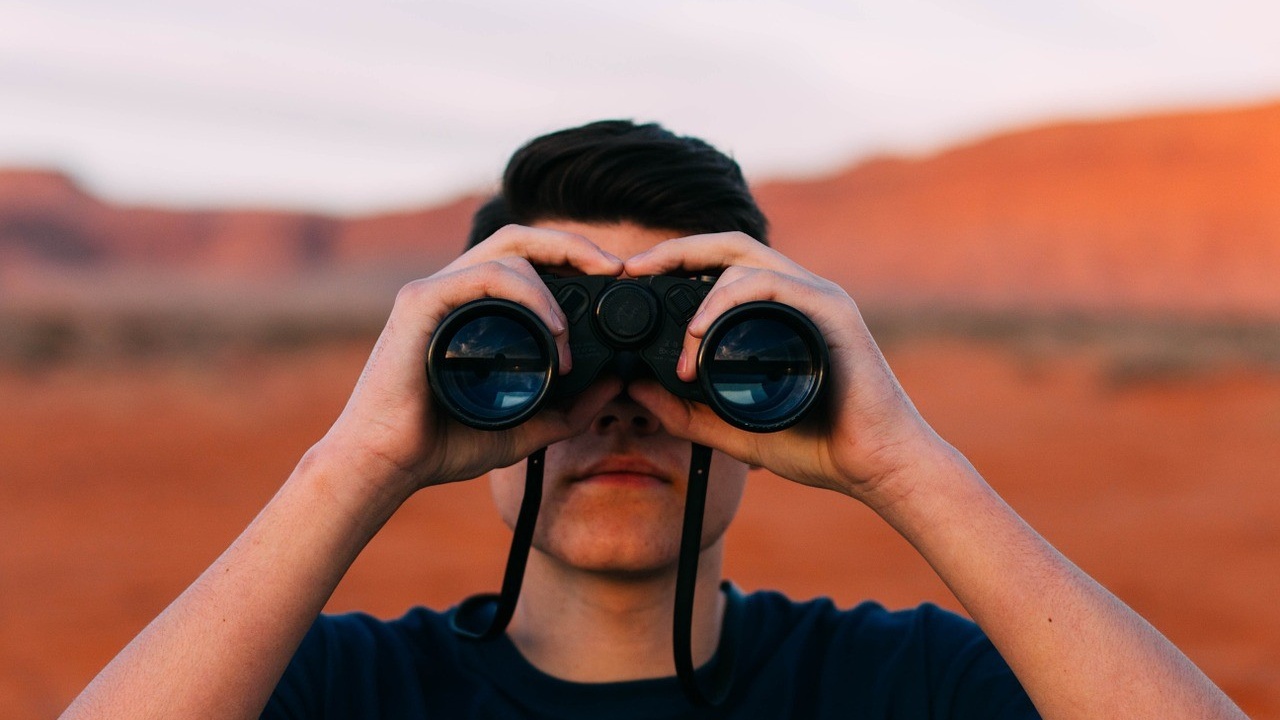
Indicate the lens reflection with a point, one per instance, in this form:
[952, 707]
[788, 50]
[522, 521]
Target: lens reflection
[493, 368]
[762, 371]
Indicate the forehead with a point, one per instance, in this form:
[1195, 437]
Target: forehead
[622, 239]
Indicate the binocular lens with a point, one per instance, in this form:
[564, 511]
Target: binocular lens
[763, 373]
[492, 370]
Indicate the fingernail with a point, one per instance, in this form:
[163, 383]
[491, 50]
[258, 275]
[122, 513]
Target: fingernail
[682, 364]
[566, 361]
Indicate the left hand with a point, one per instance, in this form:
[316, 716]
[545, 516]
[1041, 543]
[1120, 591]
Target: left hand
[870, 434]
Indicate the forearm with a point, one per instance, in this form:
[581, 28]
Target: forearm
[220, 647]
[1077, 649]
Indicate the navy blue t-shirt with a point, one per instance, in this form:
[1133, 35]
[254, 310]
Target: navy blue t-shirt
[793, 660]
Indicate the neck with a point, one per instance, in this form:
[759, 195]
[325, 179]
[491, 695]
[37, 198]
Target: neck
[592, 627]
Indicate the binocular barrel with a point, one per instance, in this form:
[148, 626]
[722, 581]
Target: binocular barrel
[492, 364]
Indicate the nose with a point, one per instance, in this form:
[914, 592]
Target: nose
[623, 415]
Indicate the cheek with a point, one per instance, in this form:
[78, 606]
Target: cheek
[724, 493]
[506, 485]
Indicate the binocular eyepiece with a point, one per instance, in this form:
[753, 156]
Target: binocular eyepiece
[492, 364]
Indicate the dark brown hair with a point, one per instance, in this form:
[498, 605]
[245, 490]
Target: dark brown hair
[615, 170]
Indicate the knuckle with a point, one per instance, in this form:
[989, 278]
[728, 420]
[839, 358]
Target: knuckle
[499, 278]
[520, 265]
[833, 290]
[410, 293]
[506, 232]
[493, 269]
[507, 237]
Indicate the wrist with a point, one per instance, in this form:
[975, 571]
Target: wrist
[366, 486]
[924, 469]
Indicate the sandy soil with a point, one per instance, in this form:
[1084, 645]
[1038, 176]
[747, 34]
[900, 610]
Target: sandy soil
[118, 485]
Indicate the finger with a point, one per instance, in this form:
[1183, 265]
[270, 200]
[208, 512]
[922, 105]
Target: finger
[525, 268]
[694, 421]
[707, 252]
[423, 304]
[553, 424]
[558, 329]
[746, 286]
[489, 449]
[545, 248]
[801, 293]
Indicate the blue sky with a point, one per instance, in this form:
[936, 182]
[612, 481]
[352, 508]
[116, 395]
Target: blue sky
[353, 107]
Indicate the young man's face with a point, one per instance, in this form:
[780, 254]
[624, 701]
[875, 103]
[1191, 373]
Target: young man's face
[613, 497]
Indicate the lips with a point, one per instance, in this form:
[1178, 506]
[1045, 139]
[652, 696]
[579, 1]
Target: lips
[624, 470]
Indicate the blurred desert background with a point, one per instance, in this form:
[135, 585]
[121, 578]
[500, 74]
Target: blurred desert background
[1089, 310]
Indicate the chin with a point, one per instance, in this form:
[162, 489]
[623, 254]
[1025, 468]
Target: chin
[618, 550]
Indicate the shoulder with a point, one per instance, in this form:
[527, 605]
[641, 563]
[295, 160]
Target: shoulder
[363, 628]
[348, 660]
[865, 623]
[924, 656]
[358, 634]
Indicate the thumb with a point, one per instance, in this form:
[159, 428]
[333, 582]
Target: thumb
[571, 418]
[691, 420]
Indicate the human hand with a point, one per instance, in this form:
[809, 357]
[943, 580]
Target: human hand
[391, 430]
[869, 431]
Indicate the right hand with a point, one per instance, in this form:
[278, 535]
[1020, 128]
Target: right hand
[392, 433]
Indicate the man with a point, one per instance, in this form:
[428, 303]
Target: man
[591, 636]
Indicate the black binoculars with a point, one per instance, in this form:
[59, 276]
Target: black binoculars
[492, 364]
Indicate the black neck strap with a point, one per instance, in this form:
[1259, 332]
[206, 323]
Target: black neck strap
[686, 583]
[470, 612]
[521, 541]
